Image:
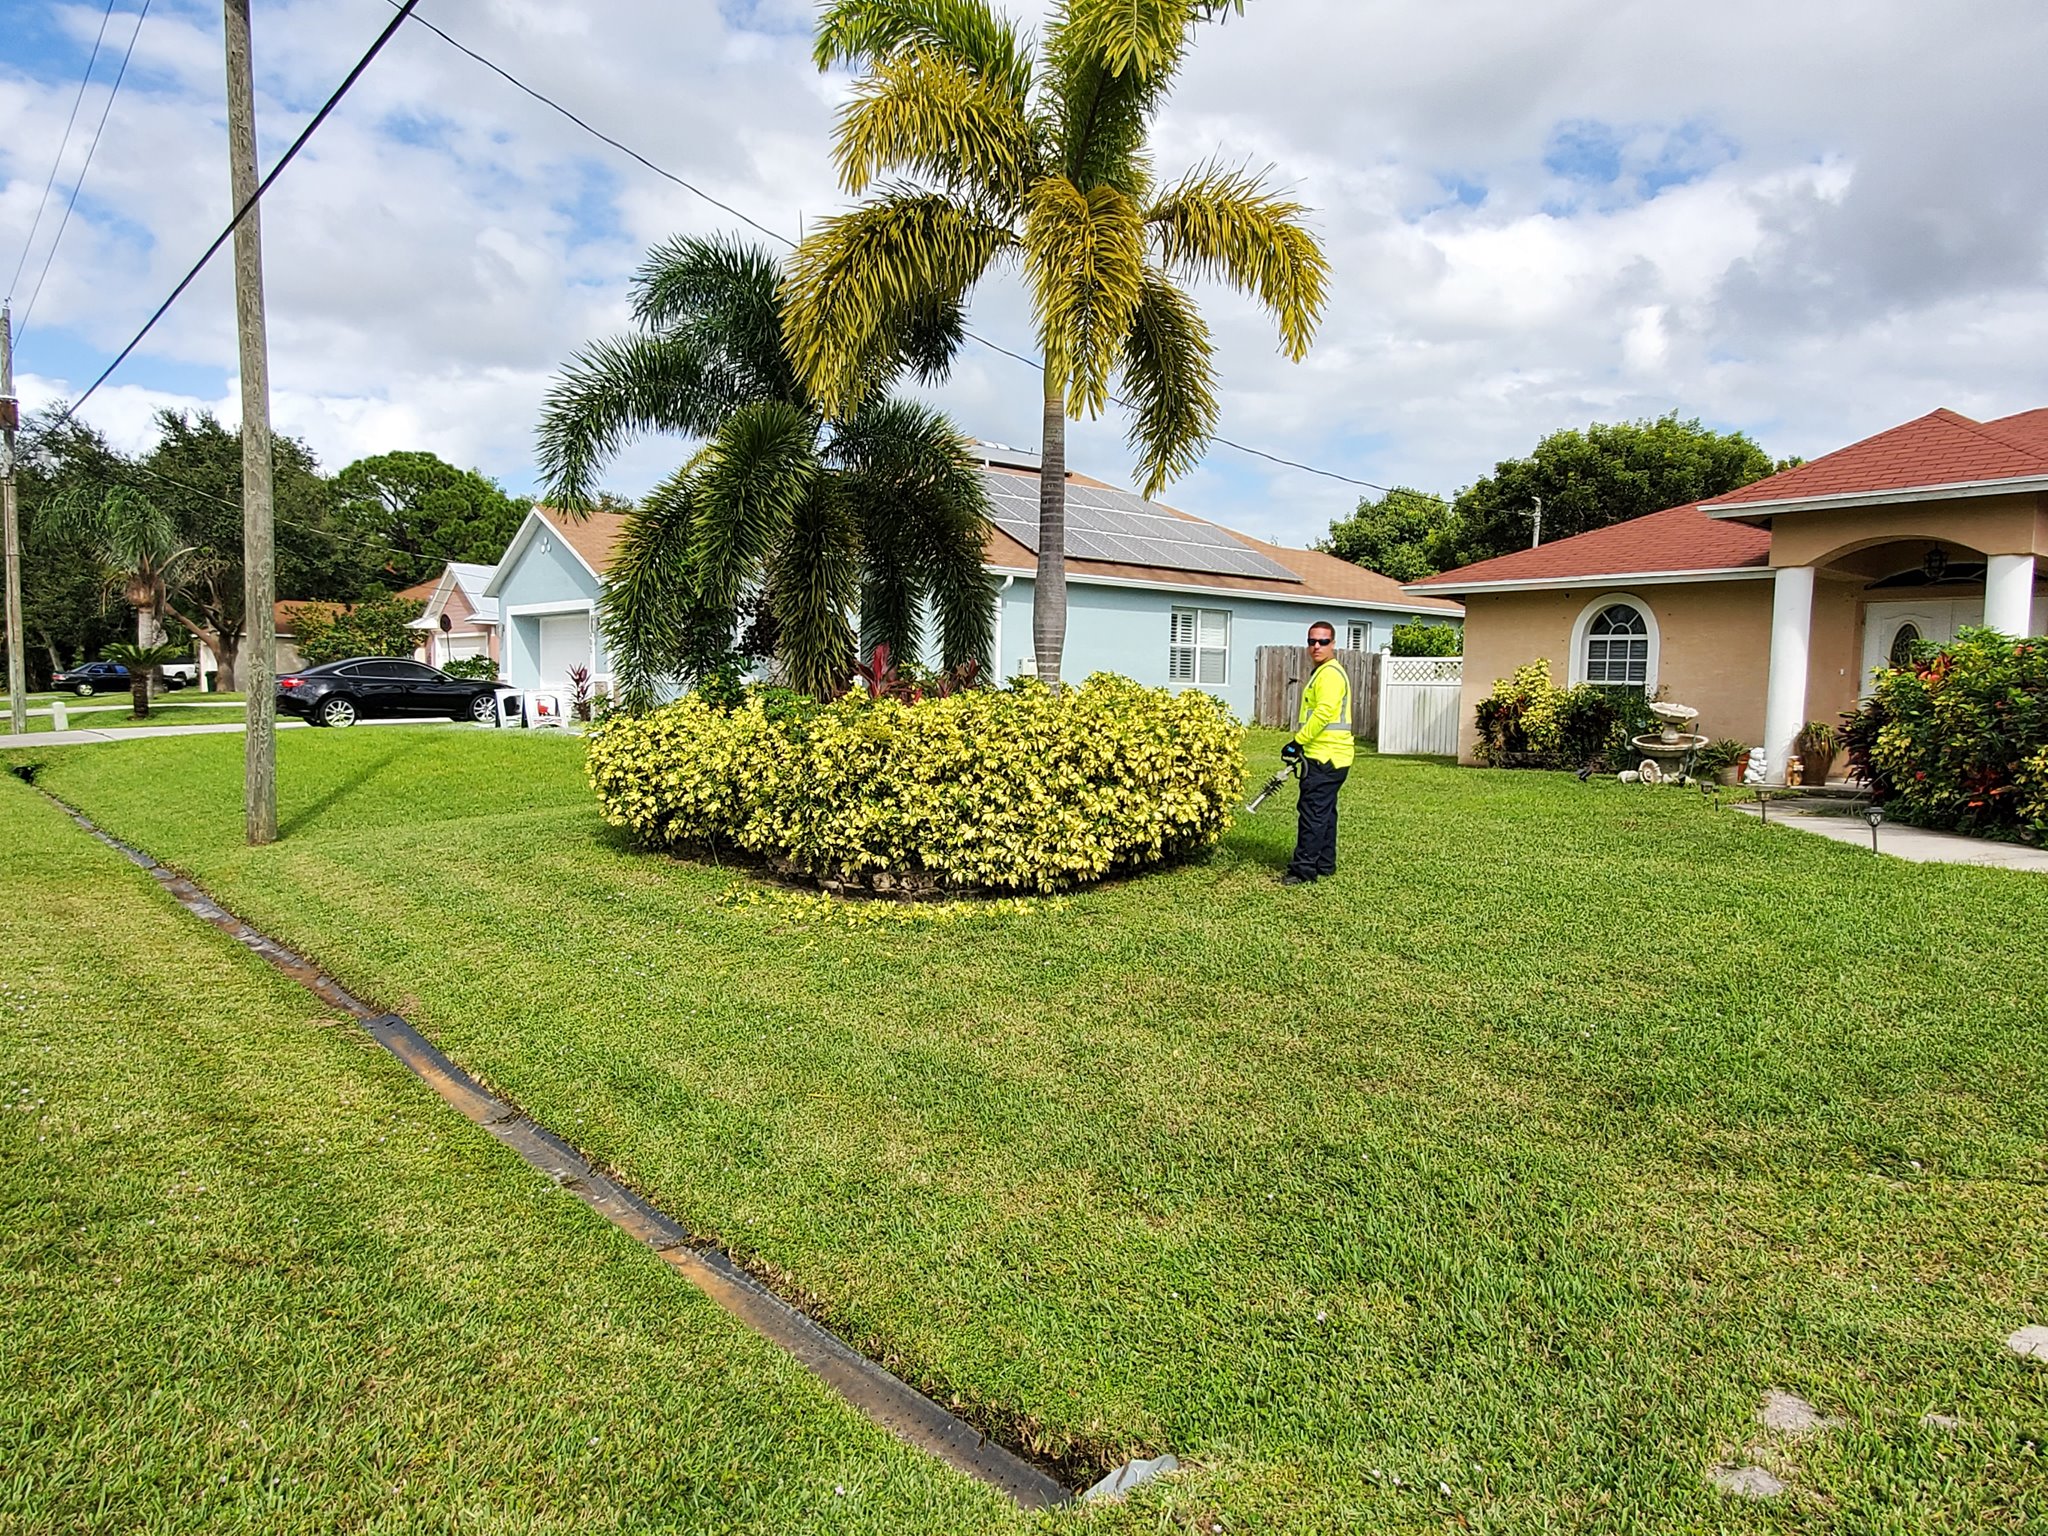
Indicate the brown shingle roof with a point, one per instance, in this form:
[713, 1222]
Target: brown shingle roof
[593, 536]
[1940, 448]
[1681, 538]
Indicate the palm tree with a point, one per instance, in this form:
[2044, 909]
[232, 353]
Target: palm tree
[142, 555]
[142, 662]
[875, 504]
[1043, 162]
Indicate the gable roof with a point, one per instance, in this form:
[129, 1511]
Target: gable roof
[1680, 540]
[1322, 577]
[471, 580]
[590, 539]
[1942, 451]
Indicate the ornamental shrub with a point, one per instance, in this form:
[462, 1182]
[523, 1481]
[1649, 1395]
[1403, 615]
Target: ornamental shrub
[1024, 790]
[1953, 740]
[1421, 638]
[1527, 722]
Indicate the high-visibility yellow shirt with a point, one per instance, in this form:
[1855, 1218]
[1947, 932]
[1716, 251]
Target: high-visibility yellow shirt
[1325, 733]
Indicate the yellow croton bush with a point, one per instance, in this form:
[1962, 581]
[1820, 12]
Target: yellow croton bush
[1011, 790]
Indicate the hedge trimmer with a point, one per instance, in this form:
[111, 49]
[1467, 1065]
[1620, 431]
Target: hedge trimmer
[1287, 771]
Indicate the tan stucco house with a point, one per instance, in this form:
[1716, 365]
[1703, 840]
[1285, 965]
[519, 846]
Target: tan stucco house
[1771, 606]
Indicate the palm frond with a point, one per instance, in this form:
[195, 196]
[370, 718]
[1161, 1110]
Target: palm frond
[648, 594]
[752, 479]
[720, 292]
[925, 113]
[814, 582]
[1226, 224]
[1169, 379]
[1085, 261]
[872, 31]
[858, 276]
[924, 512]
[1110, 66]
[614, 390]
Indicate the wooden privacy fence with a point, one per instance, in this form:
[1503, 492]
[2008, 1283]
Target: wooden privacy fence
[1280, 672]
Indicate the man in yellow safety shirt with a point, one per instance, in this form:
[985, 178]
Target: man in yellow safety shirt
[1324, 740]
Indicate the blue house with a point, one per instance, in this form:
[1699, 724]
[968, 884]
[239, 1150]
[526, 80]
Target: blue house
[1168, 599]
[1153, 593]
[547, 587]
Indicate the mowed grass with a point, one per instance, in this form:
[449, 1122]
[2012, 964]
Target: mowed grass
[254, 1278]
[1495, 1181]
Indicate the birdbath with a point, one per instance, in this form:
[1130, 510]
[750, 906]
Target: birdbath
[1666, 749]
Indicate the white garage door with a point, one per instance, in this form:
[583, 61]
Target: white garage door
[564, 643]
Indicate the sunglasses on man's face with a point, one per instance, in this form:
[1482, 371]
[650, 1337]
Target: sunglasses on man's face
[1322, 639]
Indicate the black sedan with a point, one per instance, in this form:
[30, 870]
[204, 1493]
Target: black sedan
[93, 677]
[343, 692]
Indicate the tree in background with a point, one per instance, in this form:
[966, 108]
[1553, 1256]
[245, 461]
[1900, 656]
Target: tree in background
[878, 508]
[66, 617]
[1419, 637]
[1404, 534]
[1605, 474]
[136, 551]
[376, 626]
[424, 511]
[1045, 163]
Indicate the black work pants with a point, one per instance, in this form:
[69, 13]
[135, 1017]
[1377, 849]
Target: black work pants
[1315, 842]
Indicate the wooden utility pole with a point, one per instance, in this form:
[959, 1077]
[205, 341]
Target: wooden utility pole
[259, 559]
[10, 418]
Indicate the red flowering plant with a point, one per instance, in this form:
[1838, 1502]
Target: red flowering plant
[1950, 740]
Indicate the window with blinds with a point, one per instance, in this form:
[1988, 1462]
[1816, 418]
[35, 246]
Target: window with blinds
[1618, 647]
[1358, 635]
[1199, 651]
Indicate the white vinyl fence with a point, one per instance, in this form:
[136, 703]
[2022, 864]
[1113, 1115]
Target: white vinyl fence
[1419, 704]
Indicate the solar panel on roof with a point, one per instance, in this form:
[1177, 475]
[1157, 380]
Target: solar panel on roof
[1122, 528]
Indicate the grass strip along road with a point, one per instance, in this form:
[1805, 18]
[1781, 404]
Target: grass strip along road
[1496, 1181]
[253, 1277]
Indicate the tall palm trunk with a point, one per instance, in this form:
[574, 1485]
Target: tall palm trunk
[1049, 591]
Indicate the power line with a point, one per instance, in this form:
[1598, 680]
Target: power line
[64, 143]
[243, 212]
[378, 545]
[78, 185]
[596, 133]
[774, 234]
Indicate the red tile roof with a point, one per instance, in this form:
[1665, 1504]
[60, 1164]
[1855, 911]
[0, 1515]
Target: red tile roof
[1679, 538]
[1940, 448]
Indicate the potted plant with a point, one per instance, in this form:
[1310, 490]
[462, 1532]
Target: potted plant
[1723, 759]
[1816, 746]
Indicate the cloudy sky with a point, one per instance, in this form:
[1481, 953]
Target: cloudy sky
[1808, 219]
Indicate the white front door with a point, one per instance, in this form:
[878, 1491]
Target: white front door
[564, 643]
[1890, 627]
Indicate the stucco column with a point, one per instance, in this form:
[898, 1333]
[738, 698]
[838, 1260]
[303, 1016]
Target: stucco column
[1791, 636]
[2009, 594]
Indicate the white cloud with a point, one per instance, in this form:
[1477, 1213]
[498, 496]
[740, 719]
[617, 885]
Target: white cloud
[1848, 241]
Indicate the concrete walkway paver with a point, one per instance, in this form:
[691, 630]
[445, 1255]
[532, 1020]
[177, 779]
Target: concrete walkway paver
[1916, 844]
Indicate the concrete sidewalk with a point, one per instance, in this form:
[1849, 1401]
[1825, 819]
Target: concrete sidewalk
[82, 738]
[1915, 844]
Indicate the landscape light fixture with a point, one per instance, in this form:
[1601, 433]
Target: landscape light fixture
[1875, 816]
[1935, 563]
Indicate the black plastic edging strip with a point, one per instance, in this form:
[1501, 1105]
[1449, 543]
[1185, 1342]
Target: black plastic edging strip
[887, 1400]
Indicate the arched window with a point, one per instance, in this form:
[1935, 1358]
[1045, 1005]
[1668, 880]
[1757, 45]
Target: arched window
[1617, 647]
[1903, 642]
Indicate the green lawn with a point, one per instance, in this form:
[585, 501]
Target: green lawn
[254, 1278]
[1515, 1164]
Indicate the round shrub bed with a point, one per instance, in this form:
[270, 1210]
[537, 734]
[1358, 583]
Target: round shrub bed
[1020, 790]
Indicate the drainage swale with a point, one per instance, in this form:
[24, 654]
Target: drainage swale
[888, 1401]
